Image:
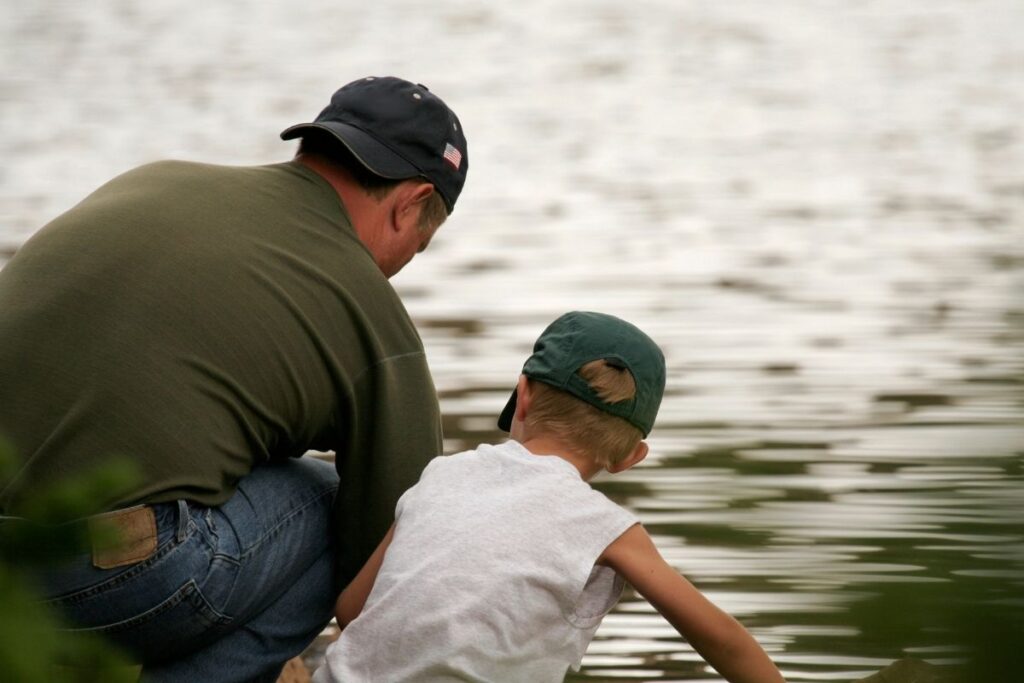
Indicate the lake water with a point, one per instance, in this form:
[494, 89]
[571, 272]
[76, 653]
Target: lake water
[816, 207]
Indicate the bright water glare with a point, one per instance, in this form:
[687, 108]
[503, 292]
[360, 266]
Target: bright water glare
[816, 207]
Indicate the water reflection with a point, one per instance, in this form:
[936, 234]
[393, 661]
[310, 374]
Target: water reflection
[842, 548]
[816, 208]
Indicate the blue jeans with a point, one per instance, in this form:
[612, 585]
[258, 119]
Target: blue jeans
[231, 593]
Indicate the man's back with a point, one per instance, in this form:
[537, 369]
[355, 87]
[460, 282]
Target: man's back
[197, 319]
[200, 320]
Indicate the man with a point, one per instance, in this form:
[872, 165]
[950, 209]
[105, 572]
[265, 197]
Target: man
[211, 324]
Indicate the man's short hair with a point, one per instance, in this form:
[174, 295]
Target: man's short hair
[605, 438]
[329, 147]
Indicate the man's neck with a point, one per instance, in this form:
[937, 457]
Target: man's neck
[363, 210]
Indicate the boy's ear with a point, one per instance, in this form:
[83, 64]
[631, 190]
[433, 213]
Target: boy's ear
[523, 398]
[638, 453]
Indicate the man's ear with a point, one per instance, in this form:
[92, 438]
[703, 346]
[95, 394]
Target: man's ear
[410, 199]
[638, 453]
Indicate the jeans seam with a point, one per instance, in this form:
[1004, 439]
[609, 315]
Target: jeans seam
[299, 509]
[188, 591]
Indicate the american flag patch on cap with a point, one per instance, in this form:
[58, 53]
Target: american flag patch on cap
[452, 155]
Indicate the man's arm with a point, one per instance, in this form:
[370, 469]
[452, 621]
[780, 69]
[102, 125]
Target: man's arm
[390, 430]
[350, 602]
[721, 640]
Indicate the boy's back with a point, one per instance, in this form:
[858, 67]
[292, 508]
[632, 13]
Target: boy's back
[490, 575]
[502, 561]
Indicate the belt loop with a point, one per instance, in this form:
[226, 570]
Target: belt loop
[182, 520]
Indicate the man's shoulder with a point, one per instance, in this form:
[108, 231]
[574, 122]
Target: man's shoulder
[166, 174]
[186, 168]
[176, 166]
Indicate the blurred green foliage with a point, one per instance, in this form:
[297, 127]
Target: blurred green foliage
[35, 646]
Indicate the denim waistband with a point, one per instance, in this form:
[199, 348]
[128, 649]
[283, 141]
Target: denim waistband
[181, 528]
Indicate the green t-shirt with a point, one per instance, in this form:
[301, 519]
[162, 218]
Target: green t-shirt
[201, 320]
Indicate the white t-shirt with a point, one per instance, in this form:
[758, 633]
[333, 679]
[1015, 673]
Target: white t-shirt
[490, 575]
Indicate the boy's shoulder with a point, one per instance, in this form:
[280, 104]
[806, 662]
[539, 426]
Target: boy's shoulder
[481, 453]
[463, 456]
[510, 462]
[483, 456]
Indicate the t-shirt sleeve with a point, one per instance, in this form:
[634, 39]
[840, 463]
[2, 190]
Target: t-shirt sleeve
[596, 524]
[410, 493]
[393, 430]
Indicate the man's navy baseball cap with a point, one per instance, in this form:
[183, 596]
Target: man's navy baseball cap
[398, 130]
[579, 337]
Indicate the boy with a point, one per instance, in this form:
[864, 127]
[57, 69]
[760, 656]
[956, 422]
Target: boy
[502, 560]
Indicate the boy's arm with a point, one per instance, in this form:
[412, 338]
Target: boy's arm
[719, 638]
[350, 602]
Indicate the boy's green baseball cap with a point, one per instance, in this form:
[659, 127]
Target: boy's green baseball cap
[580, 337]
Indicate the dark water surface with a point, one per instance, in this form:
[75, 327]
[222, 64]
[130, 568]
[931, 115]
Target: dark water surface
[816, 207]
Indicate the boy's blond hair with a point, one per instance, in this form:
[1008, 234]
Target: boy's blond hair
[605, 438]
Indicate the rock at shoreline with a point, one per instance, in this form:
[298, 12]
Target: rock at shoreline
[294, 672]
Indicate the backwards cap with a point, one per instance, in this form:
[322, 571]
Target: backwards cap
[579, 337]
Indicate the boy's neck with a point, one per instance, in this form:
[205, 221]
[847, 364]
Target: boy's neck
[546, 446]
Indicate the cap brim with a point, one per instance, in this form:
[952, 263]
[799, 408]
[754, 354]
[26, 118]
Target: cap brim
[505, 419]
[372, 154]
